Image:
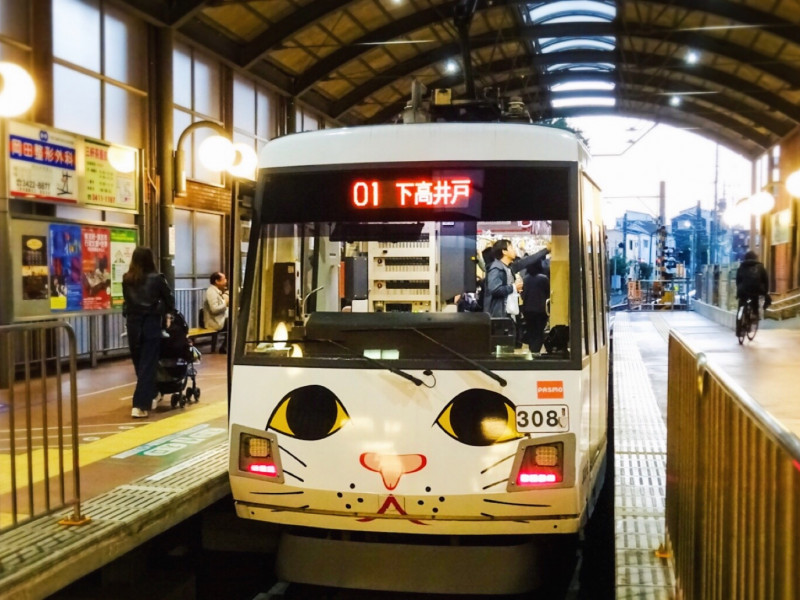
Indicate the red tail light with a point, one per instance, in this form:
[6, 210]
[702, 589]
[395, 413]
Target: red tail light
[258, 455]
[541, 464]
[268, 469]
[534, 478]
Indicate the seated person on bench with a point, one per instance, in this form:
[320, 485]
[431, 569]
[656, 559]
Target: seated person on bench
[215, 306]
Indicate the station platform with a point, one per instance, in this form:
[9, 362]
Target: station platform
[141, 477]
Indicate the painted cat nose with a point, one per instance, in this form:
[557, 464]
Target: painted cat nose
[392, 466]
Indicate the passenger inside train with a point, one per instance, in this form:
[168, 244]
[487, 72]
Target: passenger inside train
[381, 289]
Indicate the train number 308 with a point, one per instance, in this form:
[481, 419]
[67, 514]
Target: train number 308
[542, 418]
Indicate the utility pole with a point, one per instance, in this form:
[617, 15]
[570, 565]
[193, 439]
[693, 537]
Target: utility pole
[625, 239]
[714, 220]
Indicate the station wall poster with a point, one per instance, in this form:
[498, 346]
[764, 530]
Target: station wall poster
[68, 267]
[780, 230]
[47, 164]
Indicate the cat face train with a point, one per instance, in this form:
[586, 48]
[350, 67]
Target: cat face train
[421, 354]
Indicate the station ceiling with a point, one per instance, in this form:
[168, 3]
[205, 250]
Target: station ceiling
[727, 69]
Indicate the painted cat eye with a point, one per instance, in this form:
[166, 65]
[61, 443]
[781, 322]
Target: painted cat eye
[311, 412]
[479, 418]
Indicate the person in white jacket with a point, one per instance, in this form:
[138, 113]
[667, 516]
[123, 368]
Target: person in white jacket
[215, 306]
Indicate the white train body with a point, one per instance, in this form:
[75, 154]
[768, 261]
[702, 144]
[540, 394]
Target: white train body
[344, 414]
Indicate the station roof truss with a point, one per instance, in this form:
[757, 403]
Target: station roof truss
[727, 69]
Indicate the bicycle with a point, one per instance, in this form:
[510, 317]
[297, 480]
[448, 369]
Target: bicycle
[747, 321]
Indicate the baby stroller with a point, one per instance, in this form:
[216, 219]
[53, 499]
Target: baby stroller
[176, 362]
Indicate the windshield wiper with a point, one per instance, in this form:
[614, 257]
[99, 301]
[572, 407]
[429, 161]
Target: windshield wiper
[466, 359]
[381, 364]
[416, 381]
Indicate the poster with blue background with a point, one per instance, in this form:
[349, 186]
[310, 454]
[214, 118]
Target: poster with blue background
[66, 292]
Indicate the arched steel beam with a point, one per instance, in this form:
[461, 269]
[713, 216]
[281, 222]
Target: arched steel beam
[396, 29]
[286, 28]
[594, 56]
[730, 132]
[741, 13]
[777, 127]
[406, 25]
[749, 150]
[181, 11]
[720, 47]
[661, 104]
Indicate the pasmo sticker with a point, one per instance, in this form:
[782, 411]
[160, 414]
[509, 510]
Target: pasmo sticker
[549, 389]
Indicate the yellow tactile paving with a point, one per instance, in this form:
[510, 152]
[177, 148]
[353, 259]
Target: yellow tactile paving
[108, 446]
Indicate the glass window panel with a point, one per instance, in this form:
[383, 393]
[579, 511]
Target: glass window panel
[125, 56]
[586, 101]
[73, 90]
[207, 86]
[244, 107]
[551, 9]
[249, 141]
[239, 137]
[180, 121]
[575, 19]
[183, 239]
[571, 86]
[69, 17]
[14, 20]
[578, 44]
[265, 104]
[208, 252]
[310, 123]
[182, 76]
[124, 116]
[603, 67]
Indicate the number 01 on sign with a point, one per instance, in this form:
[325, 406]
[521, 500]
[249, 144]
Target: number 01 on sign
[543, 418]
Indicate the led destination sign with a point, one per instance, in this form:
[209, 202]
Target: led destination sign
[432, 192]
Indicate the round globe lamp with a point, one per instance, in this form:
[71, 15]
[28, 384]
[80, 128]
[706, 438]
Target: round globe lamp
[17, 90]
[244, 161]
[216, 153]
[761, 203]
[793, 184]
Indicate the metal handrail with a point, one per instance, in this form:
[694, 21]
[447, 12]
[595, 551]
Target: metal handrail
[34, 353]
[733, 486]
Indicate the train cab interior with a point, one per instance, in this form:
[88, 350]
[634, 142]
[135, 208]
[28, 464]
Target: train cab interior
[398, 290]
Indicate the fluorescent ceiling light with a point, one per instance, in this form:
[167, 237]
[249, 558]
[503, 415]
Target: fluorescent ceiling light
[587, 101]
[572, 86]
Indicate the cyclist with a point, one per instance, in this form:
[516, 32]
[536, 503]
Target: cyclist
[752, 281]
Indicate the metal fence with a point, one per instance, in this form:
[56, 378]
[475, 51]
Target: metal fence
[39, 424]
[100, 335]
[655, 293]
[733, 487]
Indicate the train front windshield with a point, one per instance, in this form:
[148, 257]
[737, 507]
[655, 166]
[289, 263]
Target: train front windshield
[393, 269]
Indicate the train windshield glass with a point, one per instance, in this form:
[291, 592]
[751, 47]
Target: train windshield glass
[405, 293]
[389, 263]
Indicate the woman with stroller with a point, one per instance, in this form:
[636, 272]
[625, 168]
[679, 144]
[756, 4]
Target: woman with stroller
[147, 297]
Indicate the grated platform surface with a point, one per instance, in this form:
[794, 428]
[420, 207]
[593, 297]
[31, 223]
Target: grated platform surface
[640, 436]
[40, 557]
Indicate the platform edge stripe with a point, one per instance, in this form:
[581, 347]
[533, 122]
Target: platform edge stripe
[83, 550]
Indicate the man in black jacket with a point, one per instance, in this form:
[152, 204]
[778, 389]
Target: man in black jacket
[752, 281]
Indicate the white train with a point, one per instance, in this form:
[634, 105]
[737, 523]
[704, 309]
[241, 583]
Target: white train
[402, 443]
